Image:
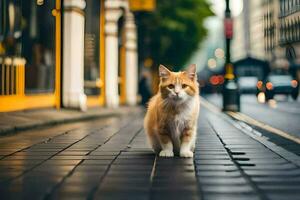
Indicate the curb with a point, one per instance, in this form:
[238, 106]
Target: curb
[84, 117]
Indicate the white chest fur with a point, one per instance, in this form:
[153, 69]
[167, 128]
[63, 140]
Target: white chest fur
[179, 122]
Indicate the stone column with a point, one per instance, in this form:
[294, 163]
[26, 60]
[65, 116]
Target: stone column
[131, 60]
[73, 55]
[112, 15]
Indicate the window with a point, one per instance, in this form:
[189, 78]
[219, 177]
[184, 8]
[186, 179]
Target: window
[38, 46]
[91, 48]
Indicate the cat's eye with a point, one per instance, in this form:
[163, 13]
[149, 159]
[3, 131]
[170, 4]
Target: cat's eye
[171, 86]
[184, 85]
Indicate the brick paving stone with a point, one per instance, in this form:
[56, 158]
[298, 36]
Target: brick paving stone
[256, 156]
[19, 162]
[290, 173]
[287, 166]
[111, 160]
[213, 162]
[279, 196]
[274, 179]
[203, 173]
[61, 162]
[284, 188]
[212, 157]
[217, 167]
[42, 150]
[263, 161]
[29, 157]
[228, 189]
[74, 153]
[231, 197]
[217, 180]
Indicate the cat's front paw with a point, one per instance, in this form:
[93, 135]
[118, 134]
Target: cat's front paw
[186, 154]
[166, 153]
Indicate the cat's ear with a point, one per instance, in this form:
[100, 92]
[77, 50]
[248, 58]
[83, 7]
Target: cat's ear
[191, 71]
[164, 72]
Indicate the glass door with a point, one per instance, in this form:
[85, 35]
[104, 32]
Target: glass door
[93, 52]
[38, 46]
[30, 48]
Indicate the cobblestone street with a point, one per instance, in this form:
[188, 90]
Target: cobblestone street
[109, 158]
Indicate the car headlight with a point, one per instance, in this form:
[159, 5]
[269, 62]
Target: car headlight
[294, 83]
[259, 84]
[269, 86]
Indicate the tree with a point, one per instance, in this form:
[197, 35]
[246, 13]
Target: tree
[171, 33]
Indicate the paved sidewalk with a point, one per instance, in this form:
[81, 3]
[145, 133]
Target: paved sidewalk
[109, 159]
[12, 122]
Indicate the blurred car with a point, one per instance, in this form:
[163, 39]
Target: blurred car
[281, 84]
[247, 84]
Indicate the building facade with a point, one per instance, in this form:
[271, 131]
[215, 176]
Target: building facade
[248, 38]
[67, 53]
[282, 34]
[269, 30]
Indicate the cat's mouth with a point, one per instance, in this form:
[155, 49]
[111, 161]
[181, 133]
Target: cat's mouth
[177, 98]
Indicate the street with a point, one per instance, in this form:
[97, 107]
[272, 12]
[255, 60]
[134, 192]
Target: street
[109, 158]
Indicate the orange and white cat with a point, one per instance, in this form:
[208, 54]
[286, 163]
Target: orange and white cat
[171, 119]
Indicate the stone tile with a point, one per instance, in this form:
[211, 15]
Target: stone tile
[96, 162]
[273, 172]
[61, 162]
[132, 167]
[231, 197]
[275, 179]
[105, 153]
[175, 193]
[227, 189]
[287, 166]
[222, 180]
[263, 161]
[83, 167]
[216, 167]
[212, 157]
[73, 153]
[282, 188]
[68, 195]
[214, 162]
[284, 196]
[27, 157]
[27, 153]
[54, 168]
[19, 162]
[219, 173]
[100, 157]
[61, 157]
[122, 195]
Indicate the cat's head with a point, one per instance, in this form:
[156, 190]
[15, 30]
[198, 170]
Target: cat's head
[178, 86]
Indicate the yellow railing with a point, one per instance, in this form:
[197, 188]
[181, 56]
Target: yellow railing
[12, 78]
[12, 73]
[12, 88]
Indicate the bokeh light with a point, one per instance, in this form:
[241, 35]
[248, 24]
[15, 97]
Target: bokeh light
[219, 53]
[212, 63]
